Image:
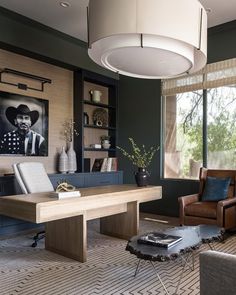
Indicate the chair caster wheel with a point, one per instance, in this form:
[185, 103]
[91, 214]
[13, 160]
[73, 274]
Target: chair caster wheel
[34, 245]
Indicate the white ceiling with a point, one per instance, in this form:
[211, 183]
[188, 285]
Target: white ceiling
[72, 20]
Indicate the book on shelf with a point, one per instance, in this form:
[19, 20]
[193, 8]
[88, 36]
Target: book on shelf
[114, 164]
[159, 239]
[105, 165]
[97, 165]
[109, 162]
[96, 146]
[64, 195]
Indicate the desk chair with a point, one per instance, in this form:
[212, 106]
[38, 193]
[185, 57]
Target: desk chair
[32, 178]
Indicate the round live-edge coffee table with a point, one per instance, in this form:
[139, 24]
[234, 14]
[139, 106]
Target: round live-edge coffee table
[210, 234]
[192, 238]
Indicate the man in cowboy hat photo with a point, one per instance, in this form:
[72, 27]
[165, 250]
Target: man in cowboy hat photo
[23, 140]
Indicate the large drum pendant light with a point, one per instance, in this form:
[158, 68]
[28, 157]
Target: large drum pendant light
[148, 38]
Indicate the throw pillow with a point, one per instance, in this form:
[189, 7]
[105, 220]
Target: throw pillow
[216, 189]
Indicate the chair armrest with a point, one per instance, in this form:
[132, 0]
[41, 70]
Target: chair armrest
[183, 201]
[227, 202]
[221, 206]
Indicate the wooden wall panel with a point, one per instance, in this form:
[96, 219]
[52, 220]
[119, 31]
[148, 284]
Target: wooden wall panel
[60, 97]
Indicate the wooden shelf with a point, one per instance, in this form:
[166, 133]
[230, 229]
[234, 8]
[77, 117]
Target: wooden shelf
[98, 150]
[99, 127]
[102, 105]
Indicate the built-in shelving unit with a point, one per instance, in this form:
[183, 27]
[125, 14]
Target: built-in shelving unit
[89, 131]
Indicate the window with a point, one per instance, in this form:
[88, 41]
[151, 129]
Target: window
[183, 135]
[200, 121]
[221, 127]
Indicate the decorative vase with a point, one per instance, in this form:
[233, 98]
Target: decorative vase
[63, 161]
[96, 95]
[86, 118]
[106, 144]
[142, 177]
[72, 164]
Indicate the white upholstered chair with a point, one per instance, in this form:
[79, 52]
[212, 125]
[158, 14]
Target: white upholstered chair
[32, 178]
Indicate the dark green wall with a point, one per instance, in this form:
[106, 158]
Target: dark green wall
[138, 99]
[222, 42]
[140, 118]
[24, 36]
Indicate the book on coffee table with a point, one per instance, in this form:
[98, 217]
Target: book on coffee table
[159, 239]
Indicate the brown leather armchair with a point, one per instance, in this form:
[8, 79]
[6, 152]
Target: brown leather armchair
[222, 213]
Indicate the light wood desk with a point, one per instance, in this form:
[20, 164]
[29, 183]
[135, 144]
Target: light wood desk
[66, 220]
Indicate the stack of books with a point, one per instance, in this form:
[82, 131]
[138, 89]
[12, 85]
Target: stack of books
[105, 165]
[159, 239]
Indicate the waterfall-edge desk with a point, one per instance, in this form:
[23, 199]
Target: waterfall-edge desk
[66, 220]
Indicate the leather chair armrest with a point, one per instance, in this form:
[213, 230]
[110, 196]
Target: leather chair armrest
[227, 202]
[221, 206]
[183, 201]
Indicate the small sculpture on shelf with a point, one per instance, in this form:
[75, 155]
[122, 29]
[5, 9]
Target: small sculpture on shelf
[86, 118]
[100, 117]
[105, 140]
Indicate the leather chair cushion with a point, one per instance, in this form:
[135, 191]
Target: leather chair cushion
[202, 209]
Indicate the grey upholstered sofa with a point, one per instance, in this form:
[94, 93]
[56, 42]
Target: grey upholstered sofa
[217, 273]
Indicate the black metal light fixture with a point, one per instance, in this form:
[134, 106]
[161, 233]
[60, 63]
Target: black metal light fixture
[23, 86]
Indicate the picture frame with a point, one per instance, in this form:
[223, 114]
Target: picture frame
[23, 125]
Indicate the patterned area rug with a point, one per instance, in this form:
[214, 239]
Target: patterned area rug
[109, 269]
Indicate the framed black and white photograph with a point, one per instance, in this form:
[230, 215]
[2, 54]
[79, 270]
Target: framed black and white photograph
[23, 125]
